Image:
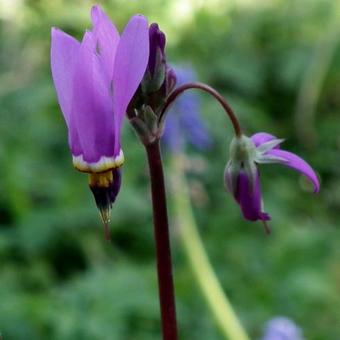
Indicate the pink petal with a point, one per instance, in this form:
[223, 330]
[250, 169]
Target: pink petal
[92, 104]
[261, 137]
[64, 51]
[295, 162]
[106, 39]
[130, 64]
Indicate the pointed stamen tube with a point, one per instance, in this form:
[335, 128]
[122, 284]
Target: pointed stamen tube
[266, 227]
[179, 90]
[107, 231]
[105, 187]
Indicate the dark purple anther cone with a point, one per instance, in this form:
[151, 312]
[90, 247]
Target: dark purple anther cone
[105, 188]
[115, 185]
[106, 195]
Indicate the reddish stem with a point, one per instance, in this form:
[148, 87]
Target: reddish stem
[161, 233]
[179, 90]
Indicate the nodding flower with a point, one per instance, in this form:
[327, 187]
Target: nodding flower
[95, 79]
[242, 178]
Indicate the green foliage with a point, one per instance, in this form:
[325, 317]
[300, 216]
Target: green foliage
[58, 277]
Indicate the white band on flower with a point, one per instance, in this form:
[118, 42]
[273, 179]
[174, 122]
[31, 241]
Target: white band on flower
[104, 163]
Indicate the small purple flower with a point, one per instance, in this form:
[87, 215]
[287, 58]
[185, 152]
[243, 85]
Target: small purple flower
[242, 176]
[95, 80]
[184, 123]
[282, 328]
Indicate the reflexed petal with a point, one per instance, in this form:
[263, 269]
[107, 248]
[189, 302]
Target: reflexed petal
[295, 162]
[106, 39]
[250, 200]
[271, 144]
[267, 158]
[130, 64]
[92, 104]
[64, 50]
[261, 137]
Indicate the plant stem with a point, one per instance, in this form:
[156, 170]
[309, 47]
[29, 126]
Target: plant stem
[161, 232]
[211, 289]
[181, 89]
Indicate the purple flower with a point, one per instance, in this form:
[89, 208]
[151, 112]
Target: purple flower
[183, 122]
[242, 176]
[95, 80]
[282, 328]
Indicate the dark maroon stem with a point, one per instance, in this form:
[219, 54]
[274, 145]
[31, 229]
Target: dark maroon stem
[179, 90]
[161, 231]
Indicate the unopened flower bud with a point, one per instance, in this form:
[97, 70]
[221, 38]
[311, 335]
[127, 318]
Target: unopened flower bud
[158, 81]
[156, 71]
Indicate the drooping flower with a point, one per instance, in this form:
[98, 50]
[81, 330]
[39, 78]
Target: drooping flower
[184, 123]
[242, 176]
[95, 80]
[282, 328]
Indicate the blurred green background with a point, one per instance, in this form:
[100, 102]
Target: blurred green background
[278, 63]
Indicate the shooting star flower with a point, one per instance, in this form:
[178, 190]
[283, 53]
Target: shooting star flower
[242, 176]
[95, 80]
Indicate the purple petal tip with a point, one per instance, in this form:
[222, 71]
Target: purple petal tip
[139, 17]
[94, 12]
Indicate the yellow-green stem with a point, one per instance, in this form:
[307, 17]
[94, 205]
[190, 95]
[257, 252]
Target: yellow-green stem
[210, 287]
